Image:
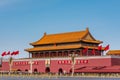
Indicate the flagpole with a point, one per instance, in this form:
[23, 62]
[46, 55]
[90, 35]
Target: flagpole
[87, 52]
[81, 53]
[101, 52]
[94, 52]
[107, 48]
[10, 64]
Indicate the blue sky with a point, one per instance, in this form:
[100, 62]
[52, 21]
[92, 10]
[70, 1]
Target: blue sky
[25, 21]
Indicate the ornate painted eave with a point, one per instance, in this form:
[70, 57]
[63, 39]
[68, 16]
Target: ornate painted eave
[52, 48]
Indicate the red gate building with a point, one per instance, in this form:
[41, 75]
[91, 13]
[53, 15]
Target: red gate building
[61, 52]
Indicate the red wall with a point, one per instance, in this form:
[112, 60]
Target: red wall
[23, 65]
[40, 66]
[5, 66]
[55, 65]
[115, 61]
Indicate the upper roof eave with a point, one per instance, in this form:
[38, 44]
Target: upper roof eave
[68, 37]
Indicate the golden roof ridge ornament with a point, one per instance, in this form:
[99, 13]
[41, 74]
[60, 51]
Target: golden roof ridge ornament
[45, 33]
[87, 29]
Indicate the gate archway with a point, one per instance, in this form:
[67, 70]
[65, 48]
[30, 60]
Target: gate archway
[35, 70]
[60, 71]
[47, 69]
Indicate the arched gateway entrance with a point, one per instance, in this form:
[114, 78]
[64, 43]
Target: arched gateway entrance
[47, 70]
[35, 70]
[60, 71]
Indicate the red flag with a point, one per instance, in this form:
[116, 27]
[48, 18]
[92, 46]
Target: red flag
[85, 50]
[100, 47]
[93, 51]
[107, 47]
[16, 52]
[3, 54]
[8, 53]
[13, 53]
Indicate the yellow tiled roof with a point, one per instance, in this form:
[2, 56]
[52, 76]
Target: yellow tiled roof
[63, 37]
[59, 48]
[113, 52]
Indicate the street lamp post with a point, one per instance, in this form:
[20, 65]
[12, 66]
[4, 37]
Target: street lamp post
[10, 64]
[73, 63]
[31, 63]
[73, 55]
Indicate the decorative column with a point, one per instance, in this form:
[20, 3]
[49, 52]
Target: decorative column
[43, 55]
[31, 63]
[62, 54]
[29, 55]
[10, 64]
[49, 54]
[56, 53]
[81, 52]
[68, 52]
[73, 55]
